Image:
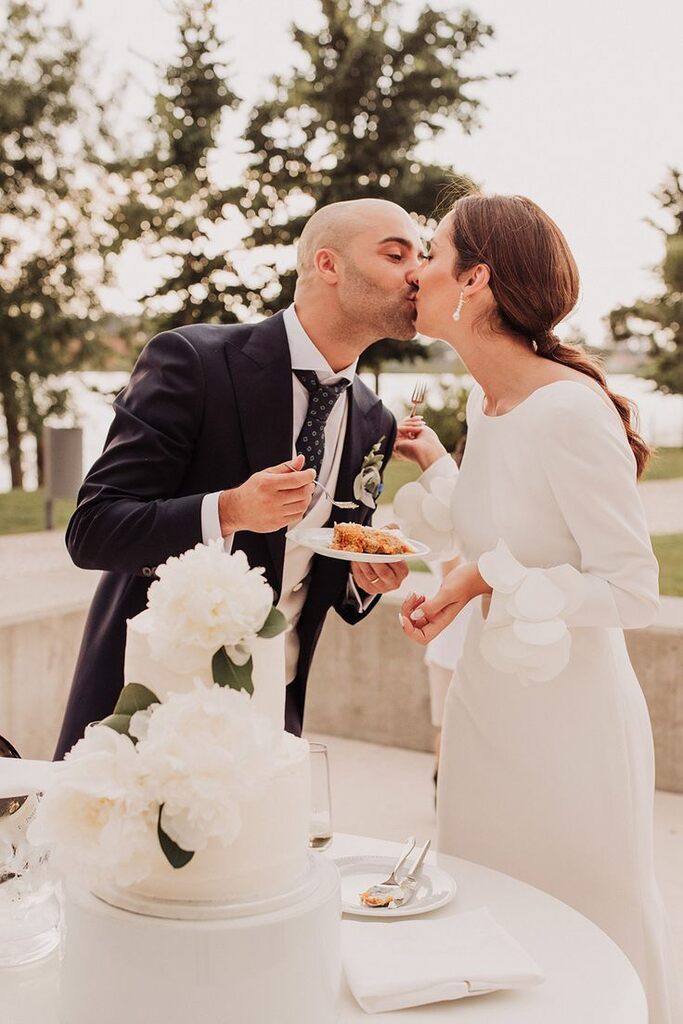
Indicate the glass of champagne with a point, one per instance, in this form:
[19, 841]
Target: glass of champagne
[320, 835]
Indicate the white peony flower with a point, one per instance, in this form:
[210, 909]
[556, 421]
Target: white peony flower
[204, 753]
[203, 600]
[98, 813]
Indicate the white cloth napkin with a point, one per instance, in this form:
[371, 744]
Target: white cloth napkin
[394, 964]
[18, 775]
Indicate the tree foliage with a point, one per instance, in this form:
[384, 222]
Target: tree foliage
[656, 323]
[52, 226]
[347, 122]
[176, 210]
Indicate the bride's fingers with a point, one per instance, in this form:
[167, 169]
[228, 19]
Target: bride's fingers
[412, 602]
[432, 626]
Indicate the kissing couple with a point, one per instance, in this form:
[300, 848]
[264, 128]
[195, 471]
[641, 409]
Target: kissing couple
[546, 767]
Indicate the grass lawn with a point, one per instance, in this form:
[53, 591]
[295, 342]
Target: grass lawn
[398, 473]
[665, 464]
[669, 551]
[24, 512]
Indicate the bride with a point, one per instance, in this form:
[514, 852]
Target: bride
[547, 768]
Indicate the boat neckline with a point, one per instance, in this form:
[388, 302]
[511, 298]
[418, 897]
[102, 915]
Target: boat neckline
[536, 391]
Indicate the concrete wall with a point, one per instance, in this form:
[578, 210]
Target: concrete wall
[37, 659]
[367, 683]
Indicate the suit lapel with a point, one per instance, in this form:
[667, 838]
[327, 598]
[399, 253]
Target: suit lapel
[261, 371]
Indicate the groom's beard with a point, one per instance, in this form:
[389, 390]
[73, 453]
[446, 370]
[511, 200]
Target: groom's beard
[391, 314]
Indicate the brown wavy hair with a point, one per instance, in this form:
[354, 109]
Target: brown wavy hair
[535, 282]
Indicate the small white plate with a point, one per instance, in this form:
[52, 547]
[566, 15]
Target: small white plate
[435, 887]
[319, 540]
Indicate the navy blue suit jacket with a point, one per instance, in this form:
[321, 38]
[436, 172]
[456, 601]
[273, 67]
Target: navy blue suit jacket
[206, 406]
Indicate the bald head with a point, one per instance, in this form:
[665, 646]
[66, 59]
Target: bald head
[335, 226]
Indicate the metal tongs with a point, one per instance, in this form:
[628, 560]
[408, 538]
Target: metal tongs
[394, 892]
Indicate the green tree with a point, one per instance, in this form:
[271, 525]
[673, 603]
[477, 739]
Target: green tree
[347, 122]
[176, 210]
[52, 227]
[656, 323]
[448, 416]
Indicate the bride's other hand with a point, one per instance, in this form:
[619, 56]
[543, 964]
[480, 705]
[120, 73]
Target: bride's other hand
[418, 442]
[423, 619]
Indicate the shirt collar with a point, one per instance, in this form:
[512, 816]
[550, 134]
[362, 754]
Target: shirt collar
[305, 355]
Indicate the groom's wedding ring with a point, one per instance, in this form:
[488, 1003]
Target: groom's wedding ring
[376, 580]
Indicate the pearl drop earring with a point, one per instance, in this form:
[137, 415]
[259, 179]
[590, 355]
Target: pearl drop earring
[461, 303]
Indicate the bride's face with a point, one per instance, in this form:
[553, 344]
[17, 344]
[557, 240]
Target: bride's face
[438, 289]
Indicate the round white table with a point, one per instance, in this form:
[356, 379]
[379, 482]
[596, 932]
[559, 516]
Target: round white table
[588, 978]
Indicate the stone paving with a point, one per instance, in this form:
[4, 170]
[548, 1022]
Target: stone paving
[663, 502]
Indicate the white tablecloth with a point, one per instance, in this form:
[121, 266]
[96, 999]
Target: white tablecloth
[589, 980]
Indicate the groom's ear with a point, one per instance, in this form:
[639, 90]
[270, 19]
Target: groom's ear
[326, 263]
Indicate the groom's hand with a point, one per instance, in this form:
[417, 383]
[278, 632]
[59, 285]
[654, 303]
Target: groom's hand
[268, 500]
[380, 577]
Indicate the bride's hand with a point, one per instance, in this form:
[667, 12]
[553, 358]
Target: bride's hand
[418, 442]
[422, 620]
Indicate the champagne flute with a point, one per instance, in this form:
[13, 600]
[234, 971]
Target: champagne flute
[9, 805]
[320, 835]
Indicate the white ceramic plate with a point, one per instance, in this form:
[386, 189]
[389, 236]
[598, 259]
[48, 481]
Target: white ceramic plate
[435, 887]
[319, 540]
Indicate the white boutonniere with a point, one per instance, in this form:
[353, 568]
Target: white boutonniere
[368, 486]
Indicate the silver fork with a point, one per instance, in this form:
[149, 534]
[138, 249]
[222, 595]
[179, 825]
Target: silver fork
[418, 396]
[384, 891]
[408, 884]
[337, 504]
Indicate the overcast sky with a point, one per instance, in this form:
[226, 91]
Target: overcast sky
[587, 128]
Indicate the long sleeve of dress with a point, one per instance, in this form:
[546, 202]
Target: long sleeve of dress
[590, 470]
[423, 509]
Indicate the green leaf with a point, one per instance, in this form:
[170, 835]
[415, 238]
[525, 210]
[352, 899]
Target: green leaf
[134, 697]
[174, 854]
[226, 673]
[119, 723]
[275, 624]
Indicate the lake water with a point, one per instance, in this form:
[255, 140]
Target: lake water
[661, 416]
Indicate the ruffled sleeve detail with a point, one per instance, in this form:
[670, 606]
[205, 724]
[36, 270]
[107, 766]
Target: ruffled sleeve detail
[423, 509]
[526, 629]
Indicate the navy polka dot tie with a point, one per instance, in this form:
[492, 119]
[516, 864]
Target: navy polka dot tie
[321, 401]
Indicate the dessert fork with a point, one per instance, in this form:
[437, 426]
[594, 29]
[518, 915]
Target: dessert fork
[408, 885]
[336, 504]
[381, 893]
[418, 396]
[391, 880]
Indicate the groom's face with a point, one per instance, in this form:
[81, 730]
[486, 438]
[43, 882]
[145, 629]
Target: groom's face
[376, 284]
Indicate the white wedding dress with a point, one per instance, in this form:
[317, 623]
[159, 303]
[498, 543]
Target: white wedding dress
[547, 767]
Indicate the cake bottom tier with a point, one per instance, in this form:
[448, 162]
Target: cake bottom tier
[275, 967]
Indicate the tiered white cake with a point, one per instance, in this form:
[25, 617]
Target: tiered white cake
[270, 853]
[186, 817]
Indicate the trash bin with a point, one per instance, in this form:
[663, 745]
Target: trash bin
[63, 448]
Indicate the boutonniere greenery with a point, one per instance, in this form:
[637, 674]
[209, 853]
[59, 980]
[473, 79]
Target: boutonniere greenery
[368, 486]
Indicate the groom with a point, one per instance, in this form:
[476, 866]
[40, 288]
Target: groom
[203, 442]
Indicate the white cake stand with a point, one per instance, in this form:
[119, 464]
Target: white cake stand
[278, 965]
